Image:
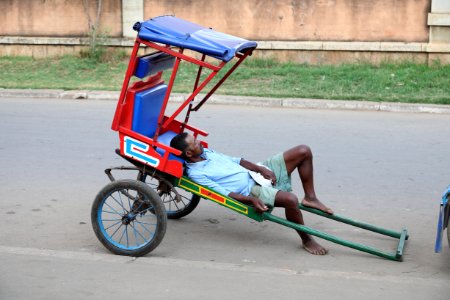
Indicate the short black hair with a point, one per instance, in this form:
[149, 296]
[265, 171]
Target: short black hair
[179, 143]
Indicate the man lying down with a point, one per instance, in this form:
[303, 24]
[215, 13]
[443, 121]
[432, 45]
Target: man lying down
[260, 185]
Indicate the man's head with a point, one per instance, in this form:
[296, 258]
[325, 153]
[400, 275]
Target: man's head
[188, 145]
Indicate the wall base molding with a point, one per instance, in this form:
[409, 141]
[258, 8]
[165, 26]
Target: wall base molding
[45, 46]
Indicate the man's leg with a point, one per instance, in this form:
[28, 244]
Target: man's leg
[290, 202]
[301, 158]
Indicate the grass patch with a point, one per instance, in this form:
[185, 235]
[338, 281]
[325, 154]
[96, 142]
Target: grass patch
[404, 82]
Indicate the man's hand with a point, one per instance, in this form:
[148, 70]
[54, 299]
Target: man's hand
[263, 170]
[268, 174]
[259, 206]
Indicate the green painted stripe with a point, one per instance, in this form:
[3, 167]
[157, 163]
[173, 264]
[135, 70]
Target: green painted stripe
[183, 182]
[237, 206]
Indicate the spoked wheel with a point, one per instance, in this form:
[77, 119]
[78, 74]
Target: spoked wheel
[177, 202]
[122, 221]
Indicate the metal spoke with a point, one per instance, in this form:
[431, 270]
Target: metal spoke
[151, 233]
[140, 222]
[110, 212]
[175, 203]
[139, 234]
[113, 225]
[140, 205]
[126, 234]
[170, 200]
[184, 204]
[135, 237]
[170, 205]
[112, 208]
[121, 237]
[116, 230]
[129, 203]
[184, 198]
[121, 205]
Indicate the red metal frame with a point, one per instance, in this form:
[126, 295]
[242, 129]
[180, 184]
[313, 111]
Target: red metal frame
[126, 81]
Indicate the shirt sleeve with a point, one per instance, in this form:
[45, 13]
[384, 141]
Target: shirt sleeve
[204, 180]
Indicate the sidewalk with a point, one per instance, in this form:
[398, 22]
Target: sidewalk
[241, 100]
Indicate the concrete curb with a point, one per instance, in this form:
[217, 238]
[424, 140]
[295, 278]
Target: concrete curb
[240, 100]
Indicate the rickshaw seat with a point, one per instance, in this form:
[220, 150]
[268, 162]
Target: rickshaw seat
[147, 106]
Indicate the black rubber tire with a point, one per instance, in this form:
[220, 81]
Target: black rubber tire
[174, 209]
[126, 189]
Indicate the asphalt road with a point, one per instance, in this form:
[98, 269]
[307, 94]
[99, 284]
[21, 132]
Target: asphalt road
[388, 169]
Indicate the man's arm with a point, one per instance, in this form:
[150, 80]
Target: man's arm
[249, 200]
[265, 172]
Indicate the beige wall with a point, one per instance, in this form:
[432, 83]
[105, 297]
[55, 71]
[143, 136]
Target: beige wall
[311, 20]
[307, 20]
[315, 31]
[56, 17]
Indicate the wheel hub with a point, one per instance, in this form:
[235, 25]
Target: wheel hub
[128, 218]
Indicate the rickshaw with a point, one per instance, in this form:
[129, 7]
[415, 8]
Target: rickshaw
[129, 216]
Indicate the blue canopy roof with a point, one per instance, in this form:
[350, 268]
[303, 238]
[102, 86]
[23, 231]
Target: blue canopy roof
[180, 33]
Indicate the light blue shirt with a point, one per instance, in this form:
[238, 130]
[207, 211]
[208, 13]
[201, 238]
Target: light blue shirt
[222, 173]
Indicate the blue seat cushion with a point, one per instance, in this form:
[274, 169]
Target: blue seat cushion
[152, 63]
[147, 106]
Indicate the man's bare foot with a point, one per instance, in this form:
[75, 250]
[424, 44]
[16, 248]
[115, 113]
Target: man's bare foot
[315, 203]
[314, 248]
